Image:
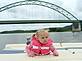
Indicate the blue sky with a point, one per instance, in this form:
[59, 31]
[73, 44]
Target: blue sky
[30, 12]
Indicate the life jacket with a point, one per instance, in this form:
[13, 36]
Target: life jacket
[40, 48]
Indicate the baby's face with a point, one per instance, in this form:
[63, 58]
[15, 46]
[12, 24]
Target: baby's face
[43, 37]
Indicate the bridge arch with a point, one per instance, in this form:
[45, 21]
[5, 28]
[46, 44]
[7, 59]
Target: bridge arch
[54, 7]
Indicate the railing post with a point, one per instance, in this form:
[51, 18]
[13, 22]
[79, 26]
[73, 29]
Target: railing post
[76, 27]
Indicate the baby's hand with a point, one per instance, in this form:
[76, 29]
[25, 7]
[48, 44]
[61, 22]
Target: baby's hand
[55, 53]
[31, 54]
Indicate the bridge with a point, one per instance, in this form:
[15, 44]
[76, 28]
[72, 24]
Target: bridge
[71, 18]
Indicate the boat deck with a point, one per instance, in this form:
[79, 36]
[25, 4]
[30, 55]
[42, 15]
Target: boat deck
[67, 52]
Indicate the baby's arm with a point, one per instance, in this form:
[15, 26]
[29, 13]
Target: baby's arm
[53, 49]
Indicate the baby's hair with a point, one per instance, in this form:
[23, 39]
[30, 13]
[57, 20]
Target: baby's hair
[46, 29]
[42, 30]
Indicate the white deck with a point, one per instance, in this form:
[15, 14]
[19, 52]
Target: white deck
[64, 55]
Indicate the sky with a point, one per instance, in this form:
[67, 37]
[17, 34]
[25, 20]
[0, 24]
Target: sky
[36, 12]
[73, 6]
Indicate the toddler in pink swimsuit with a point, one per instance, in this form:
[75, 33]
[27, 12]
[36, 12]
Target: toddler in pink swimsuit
[41, 44]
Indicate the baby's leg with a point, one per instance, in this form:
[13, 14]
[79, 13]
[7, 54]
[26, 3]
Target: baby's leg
[28, 51]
